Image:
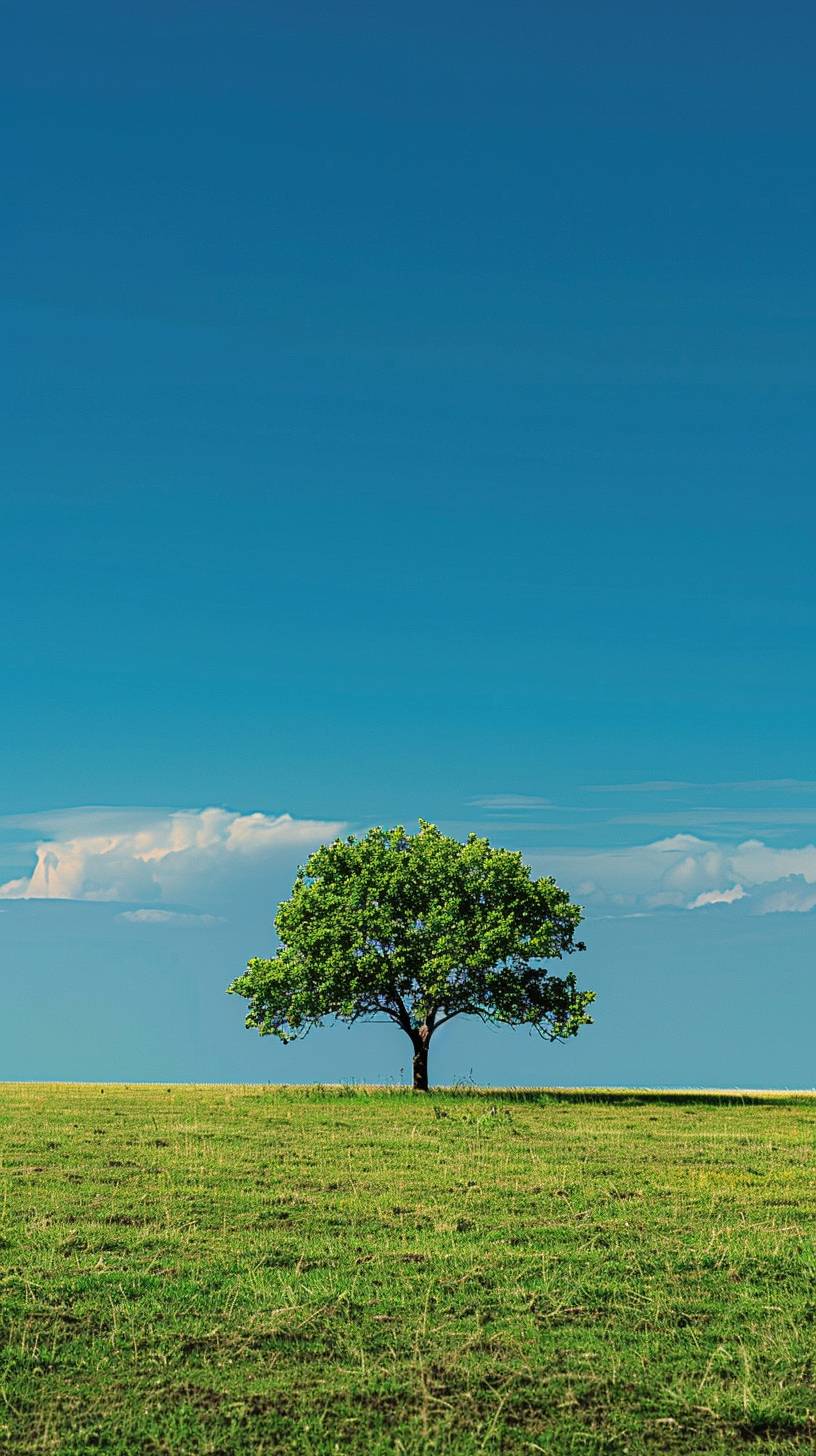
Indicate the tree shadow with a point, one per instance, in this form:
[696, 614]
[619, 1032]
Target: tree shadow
[543, 1096]
[632, 1097]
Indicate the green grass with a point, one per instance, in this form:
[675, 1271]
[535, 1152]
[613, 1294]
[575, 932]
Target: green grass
[235, 1270]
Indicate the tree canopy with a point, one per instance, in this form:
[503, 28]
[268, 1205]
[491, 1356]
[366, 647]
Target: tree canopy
[417, 929]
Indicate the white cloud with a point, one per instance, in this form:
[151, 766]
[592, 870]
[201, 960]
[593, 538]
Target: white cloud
[797, 897]
[169, 917]
[14, 889]
[155, 856]
[163, 863]
[685, 872]
[642, 876]
[718, 897]
[757, 863]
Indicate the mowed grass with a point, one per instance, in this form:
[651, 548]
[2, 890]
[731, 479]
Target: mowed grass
[241, 1270]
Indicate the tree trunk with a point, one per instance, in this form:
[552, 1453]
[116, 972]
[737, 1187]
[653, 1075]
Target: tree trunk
[420, 1041]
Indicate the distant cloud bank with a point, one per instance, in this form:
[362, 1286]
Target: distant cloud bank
[191, 867]
[684, 872]
[154, 856]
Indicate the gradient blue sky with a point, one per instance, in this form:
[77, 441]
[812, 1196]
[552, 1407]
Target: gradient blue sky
[409, 412]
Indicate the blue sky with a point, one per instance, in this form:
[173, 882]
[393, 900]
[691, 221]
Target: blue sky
[409, 412]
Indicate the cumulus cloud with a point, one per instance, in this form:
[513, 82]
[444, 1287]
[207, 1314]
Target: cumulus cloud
[192, 866]
[154, 856]
[718, 897]
[757, 863]
[684, 872]
[666, 872]
[796, 896]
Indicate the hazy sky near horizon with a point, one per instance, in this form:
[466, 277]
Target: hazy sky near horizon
[409, 412]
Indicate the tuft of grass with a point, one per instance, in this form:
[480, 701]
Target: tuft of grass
[242, 1271]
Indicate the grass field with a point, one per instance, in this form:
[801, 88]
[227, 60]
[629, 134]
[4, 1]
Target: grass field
[234, 1270]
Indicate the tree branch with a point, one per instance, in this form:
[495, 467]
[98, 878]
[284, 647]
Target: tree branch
[402, 1018]
[449, 1017]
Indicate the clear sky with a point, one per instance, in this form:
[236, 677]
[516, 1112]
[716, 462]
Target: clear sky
[409, 411]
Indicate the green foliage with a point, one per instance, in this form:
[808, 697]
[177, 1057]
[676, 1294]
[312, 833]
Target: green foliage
[249, 1271]
[417, 929]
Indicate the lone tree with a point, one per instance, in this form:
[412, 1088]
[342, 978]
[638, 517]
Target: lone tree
[417, 929]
